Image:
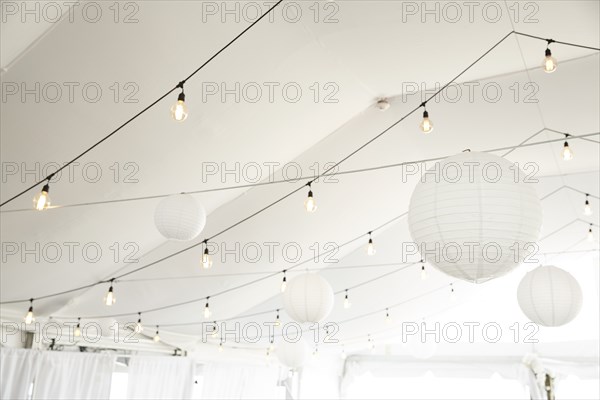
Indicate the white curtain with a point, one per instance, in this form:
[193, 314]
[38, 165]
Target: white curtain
[66, 375]
[17, 372]
[160, 378]
[228, 381]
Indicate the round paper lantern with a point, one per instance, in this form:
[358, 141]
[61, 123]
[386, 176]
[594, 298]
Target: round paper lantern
[179, 217]
[549, 296]
[292, 354]
[419, 348]
[308, 298]
[475, 216]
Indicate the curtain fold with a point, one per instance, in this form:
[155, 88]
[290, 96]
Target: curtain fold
[18, 368]
[160, 378]
[65, 375]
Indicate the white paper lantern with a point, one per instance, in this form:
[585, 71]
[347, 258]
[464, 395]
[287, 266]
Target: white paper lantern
[421, 348]
[549, 296]
[308, 298]
[292, 354]
[475, 216]
[179, 217]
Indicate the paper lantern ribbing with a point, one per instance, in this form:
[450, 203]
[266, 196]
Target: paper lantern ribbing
[179, 217]
[474, 216]
[292, 354]
[549, 296]
[308, 298]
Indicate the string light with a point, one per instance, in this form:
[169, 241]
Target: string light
[309, 203]
[388, 319]
[283, 282]
[221, 345]
[77, 331]
[316, 351]
[426, 124]
[424, 274]
[207, 261]
[370, 247]
[567, 153]
[590, 235]
[587, 209]
[549, 64]
[156, 337]
[179, 110]
[29, 318]
[138, 326]
[347, 303]
[452, 293]
[272, 345]
[207, 312]
[41, 201]
[109, 297]
[277, 323]
[214, 330]
[370, 342]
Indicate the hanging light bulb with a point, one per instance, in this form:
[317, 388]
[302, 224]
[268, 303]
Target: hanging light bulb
[179, 111]
[426, 124]
[590, 235]
[549, 64]
[277, 322]
[343, 355]
[424, 274]
[214, 330]
[156, 337]
[29, 318]
[41, 201]
[347, 303]
[206, 258]
[109, 297]
[371, 342]
[283, 283]
[138, 326]
[388, 319]
[370, 246]
[77, 331]
[220, 346]
[309, 203]
[452, 293]
[587, 209]
[567, 153]
[315, 351]
[207, 312]
[272, 345]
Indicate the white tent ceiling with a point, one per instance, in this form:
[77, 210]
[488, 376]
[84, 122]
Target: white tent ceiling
[367, 54]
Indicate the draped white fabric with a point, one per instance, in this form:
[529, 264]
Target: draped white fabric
[160, 378]
[17, 371]
[228, 381]
[66, 375]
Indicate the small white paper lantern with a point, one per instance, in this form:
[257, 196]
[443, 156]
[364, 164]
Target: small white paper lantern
[308, 298]
[292, 354]
[474, 216]
[549, 296]
[179, 217]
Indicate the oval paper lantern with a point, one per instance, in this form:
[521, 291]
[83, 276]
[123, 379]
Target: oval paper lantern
[549, 296]
[308, 298]
[292, 354]
[179, 217]
[474, 216]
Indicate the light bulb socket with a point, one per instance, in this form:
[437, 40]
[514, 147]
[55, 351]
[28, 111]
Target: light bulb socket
[31, 307]
[310, 193]
[548, 52]
[425, 114]
[370, 241]
[181, 96]
[566, 144]
[46, 188]
[206, 251]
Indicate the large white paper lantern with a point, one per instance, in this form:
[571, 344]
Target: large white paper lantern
[549, 296]
[179, 217]
[292, 354]
[308, 298]
[475, 216]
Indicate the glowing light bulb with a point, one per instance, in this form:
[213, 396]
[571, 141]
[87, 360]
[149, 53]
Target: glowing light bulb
[388, 319]
[271, 346]
[206, 259]
[41, 201]
[220, 347]
[109, 297]
[344, 355]
[370, 247]
[77, 331]
[309, 203]
[283, 283]
[426, 124]
[138, 326]
[587, 209]
[424, 274]
[277, 322]
[315, 352]
[156, 337]
[29, 318]
[207, 312]
[214, 330]
[590, 235]
[567, 153]
[452, 293]
[347, 303]
[179, 111]
[549, 64]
